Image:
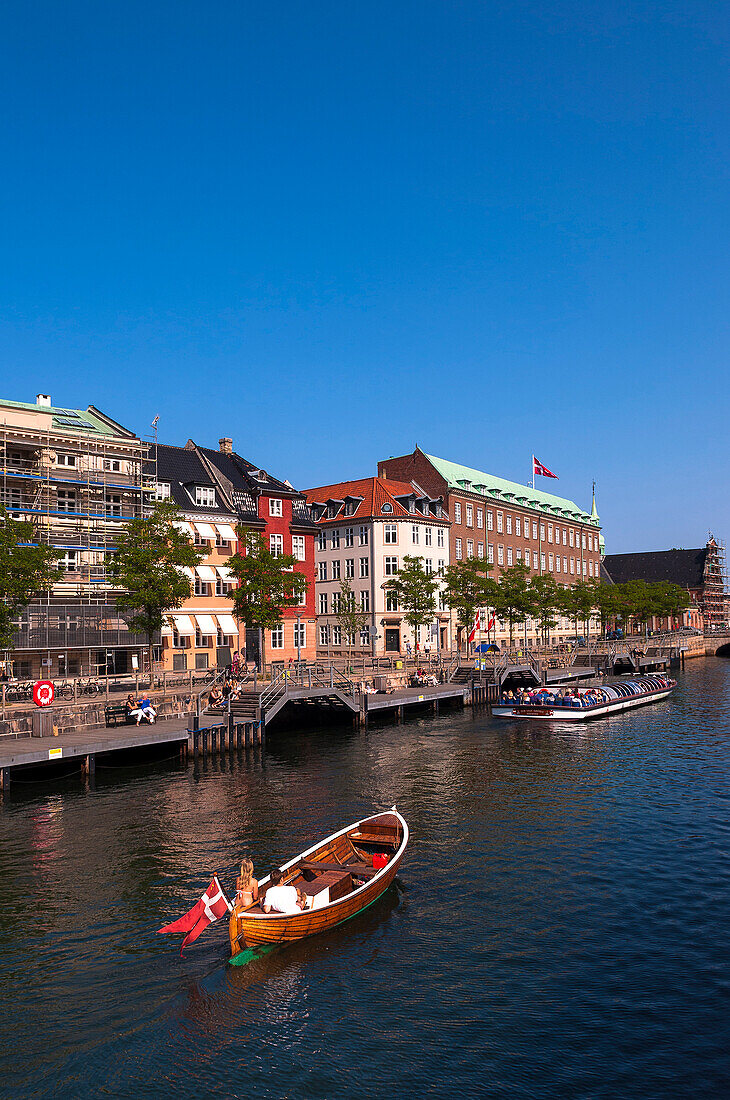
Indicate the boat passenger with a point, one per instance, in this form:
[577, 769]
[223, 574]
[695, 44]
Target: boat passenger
[247, 888]
[281, 899]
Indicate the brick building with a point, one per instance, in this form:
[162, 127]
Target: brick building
[506, 522]
[366, 528]
[216, 491]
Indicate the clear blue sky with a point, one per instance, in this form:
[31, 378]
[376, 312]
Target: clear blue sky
[333, 231]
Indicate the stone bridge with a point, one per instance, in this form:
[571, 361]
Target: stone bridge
[717, 645]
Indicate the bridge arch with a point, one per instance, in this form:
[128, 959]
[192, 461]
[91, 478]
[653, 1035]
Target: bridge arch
[723, 650]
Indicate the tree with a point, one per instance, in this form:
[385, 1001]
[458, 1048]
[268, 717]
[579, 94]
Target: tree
[267, 583]
[415, 591]
[148, 565]
[670, 599]
[467, 588]
[26, 570]
[348, 617]
[607, 603]
[546, 595]
[512, 598]
[578, 602]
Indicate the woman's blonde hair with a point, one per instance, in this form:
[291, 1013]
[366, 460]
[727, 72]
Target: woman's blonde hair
[246, 872]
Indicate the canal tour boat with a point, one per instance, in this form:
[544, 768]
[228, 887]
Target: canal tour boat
[340, 876]
[583, 704]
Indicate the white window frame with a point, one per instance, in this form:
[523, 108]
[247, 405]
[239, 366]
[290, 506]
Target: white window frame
[276, 544]
[204, 496]
[276, 506]
[277, 637]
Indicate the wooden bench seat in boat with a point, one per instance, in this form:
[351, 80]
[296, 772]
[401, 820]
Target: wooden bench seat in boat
[362, 870]
[387, 838]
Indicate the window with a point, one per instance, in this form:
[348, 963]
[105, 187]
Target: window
[583, 542]
[509, 524]
[440, 537]
[550, 532]
[336, 603]
[298, 547]
[220, 541]
[363, 538]
[534, 530]
[364, 567]
[500, 555]
[335, 570]
[300, 635]
[572, 565]
[542, 562]
[275, 506]
[585, 568]
[391, 533]
[415, 534]
[457, 512]
[557, 563]
[323, 603]
[441, 565]
[428, 566]
[276, 545]
[302, 598]
[349, 536]
[322, 540]
[349, 568]
[113, 504]
[469, 515]
[63, 459]
[565, 536]
[69, 563]
[162, 490]
[365, 600]
[204, 496]
[534, 559]
[550, 562]
[66, 500]
[336, 635]
[322, 571]
[565, 565]
[542, 532]
[470, 548]
[391, 601]
[198, 538]
[518, 552]
[428, 535]
[500, 523]
[490, 553]
[457, 551]
[518, 527]
[365, 636]
[222, 588]
[490, 521]
[390, 567]
[335, 540]
[509, 556]
[590, 568]
[480, 517]
[277, 637]
[571, 536]
[480, 549]
[323, 635]
[200, 587]
[114, 465]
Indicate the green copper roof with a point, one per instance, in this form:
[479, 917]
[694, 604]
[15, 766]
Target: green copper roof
[509, 492]
[66, 420]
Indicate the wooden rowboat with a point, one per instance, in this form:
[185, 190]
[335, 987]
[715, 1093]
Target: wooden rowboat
[337, 875]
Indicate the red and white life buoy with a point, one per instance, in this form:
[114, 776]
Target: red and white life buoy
[43, 693]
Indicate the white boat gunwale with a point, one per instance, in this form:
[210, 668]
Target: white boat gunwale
[319, 844]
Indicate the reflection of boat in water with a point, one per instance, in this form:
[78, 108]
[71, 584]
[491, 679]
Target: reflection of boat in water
[340, 876]
[582, 704]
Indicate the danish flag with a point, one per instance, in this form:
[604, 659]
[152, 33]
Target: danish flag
[490, 624]
[476, 627]
[212, 906]
[542, 471]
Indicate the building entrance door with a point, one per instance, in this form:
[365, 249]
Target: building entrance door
[392, 640]
[443, 637]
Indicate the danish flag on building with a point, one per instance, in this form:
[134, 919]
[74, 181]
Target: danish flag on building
[212, 906]
[540, 470]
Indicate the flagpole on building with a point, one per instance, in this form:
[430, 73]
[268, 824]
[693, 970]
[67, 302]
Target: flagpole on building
[533, 472]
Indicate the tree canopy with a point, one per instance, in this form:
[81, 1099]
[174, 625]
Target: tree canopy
[512, 597]
[415, 591]
[467, 587]
[26, 570]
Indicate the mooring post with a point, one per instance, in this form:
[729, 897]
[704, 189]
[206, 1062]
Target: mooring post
[4, 779]
[205, 742]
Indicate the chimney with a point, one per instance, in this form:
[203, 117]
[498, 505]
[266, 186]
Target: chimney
[43, 399]
[226, 446]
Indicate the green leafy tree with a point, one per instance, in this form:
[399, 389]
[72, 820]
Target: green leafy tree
[670, 600]
[467, 587]
[267, 584]
[512, 598]
[607, 603]
[415, 591]
[349, 618]
[545, 594]
[25, 571]
[148, 565]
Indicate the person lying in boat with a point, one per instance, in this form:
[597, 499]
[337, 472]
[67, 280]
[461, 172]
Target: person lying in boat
[247, 888]
[282, 899]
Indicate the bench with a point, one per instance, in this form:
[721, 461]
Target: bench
[115, 714]
[361, 870]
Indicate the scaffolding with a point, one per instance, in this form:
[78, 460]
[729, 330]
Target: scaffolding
[714, 588]
[77, 485]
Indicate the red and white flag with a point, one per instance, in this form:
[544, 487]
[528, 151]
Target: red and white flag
[212, 906]
[490, 624]
[476, 627]
[540, 470]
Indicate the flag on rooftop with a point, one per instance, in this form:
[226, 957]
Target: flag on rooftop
[540, 470]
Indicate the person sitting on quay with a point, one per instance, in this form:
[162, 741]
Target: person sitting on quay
[215, 696]
[148, 711]
[132, 710]
[282, 899]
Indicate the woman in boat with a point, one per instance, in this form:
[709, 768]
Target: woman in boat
[246, 885]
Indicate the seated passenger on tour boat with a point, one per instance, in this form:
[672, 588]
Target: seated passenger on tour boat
[282, 899]
[247, 888]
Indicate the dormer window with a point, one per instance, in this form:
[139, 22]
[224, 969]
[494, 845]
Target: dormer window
[386, 508]
[204, 496]
[162, 490]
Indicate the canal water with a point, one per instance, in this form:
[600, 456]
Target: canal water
[560, 926]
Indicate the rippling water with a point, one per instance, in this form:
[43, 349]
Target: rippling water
[560, 927]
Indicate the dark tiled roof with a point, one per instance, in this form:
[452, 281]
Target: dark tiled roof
[683, 567]
[181, 466]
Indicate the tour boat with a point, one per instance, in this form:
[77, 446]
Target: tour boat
[595, 702]
[340, 876]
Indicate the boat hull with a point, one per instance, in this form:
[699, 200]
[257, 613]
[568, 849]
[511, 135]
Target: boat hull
[579, 714]
[252, 931]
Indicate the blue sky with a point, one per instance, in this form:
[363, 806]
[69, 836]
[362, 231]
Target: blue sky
[334, 231]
